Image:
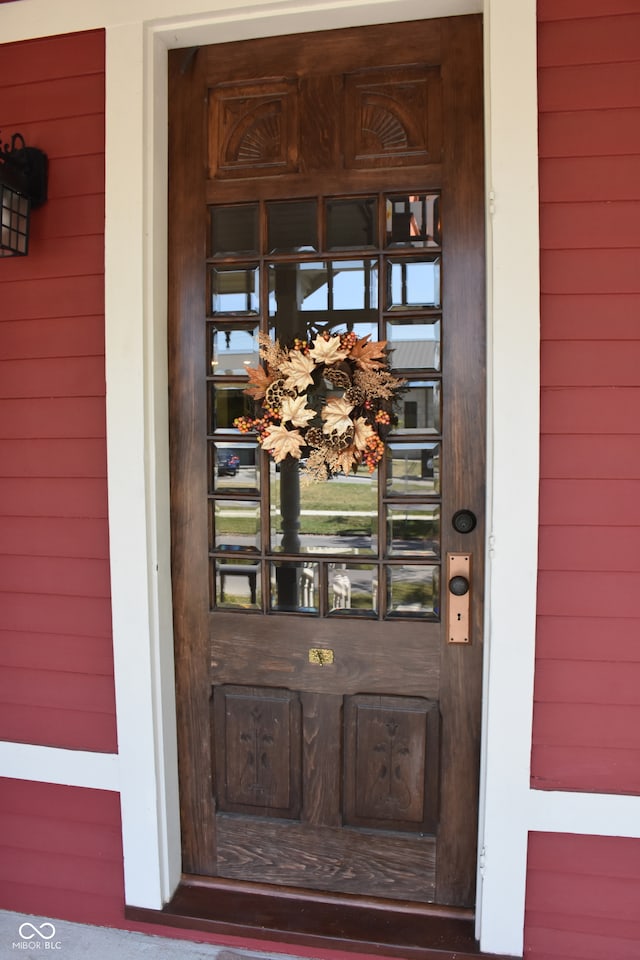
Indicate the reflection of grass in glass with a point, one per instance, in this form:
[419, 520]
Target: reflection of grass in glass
[239, 525]
[404, 594]
[232, 601]
[337, 500]
[406, 477]
[414, 529]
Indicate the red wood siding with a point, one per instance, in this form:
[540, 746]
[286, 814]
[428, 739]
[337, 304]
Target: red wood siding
[587, 691]
[56, 680]
[61, 852]
[582, 898]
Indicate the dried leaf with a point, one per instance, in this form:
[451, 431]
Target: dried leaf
[368, 356]
[361, 433]
[297, 371]
[259, 381]
[327, 351]
[296, 411]
[336, 415]
[279, 442]
[344, 460]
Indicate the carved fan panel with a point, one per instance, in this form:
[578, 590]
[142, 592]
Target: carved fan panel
[391, 762]
[253, 129]
[393, 118]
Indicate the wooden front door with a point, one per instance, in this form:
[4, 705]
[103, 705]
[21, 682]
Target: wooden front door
[328, 726]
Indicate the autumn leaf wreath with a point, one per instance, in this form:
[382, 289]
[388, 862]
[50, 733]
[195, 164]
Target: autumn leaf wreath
[330, 400]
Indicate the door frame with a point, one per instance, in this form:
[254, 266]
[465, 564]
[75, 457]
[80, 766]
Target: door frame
[138, 447]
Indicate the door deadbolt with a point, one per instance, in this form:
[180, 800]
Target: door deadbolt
[464, 521]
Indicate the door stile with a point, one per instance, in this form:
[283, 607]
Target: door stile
[187, 417]
[464, 309]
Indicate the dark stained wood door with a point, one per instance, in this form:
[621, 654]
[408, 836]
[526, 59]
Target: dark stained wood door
[328, 727]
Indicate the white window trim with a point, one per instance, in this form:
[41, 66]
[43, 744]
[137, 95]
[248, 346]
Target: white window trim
[136, 115]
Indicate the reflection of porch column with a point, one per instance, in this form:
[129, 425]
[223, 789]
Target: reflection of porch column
[289, 325]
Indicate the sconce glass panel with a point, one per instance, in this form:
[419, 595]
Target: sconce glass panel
[14, 222]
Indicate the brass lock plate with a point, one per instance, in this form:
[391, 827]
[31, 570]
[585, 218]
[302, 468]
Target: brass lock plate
[458, 604]
[320, 656]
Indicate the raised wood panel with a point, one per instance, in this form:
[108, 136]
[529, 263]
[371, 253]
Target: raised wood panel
[592, 86]
[79, 616]
[600, 682]
[590, 410]
[589, 133]
[582, 638]
[603, 179]
[54, 537]
[53, 458]
[53, 651]
[53, 296]
[589, 548]
[52, 418]
[393, 118]
[588, 594]
[257, 751]
[579, 316]
[592, 225]
[588, 768]
[52, 377]
[592, 37]
[55, 575]
[253, 129]
[596, 457]
[590, 271]
[582, 502]
[53, 338]
[51, 727]
[344, 860]
[392, 747]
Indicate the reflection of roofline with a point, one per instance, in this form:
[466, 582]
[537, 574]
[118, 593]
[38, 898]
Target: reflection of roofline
[405, 355]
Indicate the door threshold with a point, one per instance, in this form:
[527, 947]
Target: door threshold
[288, 916]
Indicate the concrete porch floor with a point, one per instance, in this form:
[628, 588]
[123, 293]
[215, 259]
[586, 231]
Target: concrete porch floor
[21, 934]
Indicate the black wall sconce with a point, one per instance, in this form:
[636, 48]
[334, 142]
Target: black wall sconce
[23, 185]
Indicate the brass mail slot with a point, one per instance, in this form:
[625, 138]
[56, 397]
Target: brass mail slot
[320, 656]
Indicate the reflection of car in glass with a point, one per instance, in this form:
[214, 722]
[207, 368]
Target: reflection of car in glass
[228, 464]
